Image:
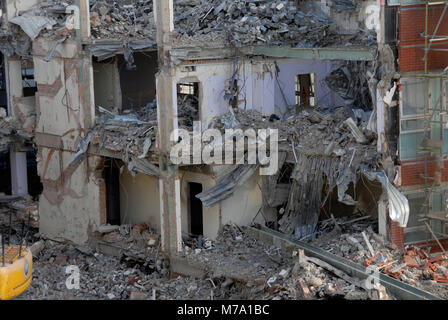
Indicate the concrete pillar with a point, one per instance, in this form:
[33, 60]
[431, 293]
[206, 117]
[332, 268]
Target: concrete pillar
[19, 177]
[14, 86]
[14, 89]
[170, 206]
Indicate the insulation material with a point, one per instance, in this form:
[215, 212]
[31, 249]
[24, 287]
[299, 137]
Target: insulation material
[310, 176]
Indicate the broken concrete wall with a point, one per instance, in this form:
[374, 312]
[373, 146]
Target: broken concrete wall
[214, 79]
[72, 199]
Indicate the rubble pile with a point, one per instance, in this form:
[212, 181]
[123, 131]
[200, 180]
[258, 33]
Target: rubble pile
[241, 22]
[261, 22]
[237, 267]
[357, 241]
[124, 134]
[329, 150]
[197, 22]
[314, 132]
[264, 272]
[26, 211]
[347, 240]
[112, 19]
[134, 135]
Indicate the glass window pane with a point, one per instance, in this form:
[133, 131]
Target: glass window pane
[413, 101]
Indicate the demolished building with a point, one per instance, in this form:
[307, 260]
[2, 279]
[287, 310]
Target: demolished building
[92, 90]
[314, 65]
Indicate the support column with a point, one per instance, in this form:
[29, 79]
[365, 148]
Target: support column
[13, 78]
[170, 215]
[19, 177]
[14, 89]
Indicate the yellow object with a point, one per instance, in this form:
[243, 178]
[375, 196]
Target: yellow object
[16, 275]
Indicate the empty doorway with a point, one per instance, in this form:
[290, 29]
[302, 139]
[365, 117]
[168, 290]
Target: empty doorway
[195, 209]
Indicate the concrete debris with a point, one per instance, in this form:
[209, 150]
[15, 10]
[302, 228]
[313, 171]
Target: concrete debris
[315, 167]
[360, 138]
[242, 272]
[349, 81]
[33, 24]
[345, 5]
[231, 269]
[37, 248]
[202, 22]
[107, 228]
[414, 265]
[26, 211]
[219, 22]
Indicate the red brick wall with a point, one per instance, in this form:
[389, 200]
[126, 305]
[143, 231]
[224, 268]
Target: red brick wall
[411, 22]
[411, 171]
[445, 171]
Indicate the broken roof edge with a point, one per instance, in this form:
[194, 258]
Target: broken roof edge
[116, 46]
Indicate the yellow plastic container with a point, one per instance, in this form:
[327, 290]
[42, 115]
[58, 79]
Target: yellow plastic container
[16, 275]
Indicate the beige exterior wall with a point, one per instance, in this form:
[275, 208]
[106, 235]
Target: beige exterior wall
[140, 202]
[72, 202]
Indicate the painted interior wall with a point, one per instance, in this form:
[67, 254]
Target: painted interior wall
[106, 82]
[259, 88]
[243, 206]
[210, 216]
[139, 199]
[140, 202]
[289, 69]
